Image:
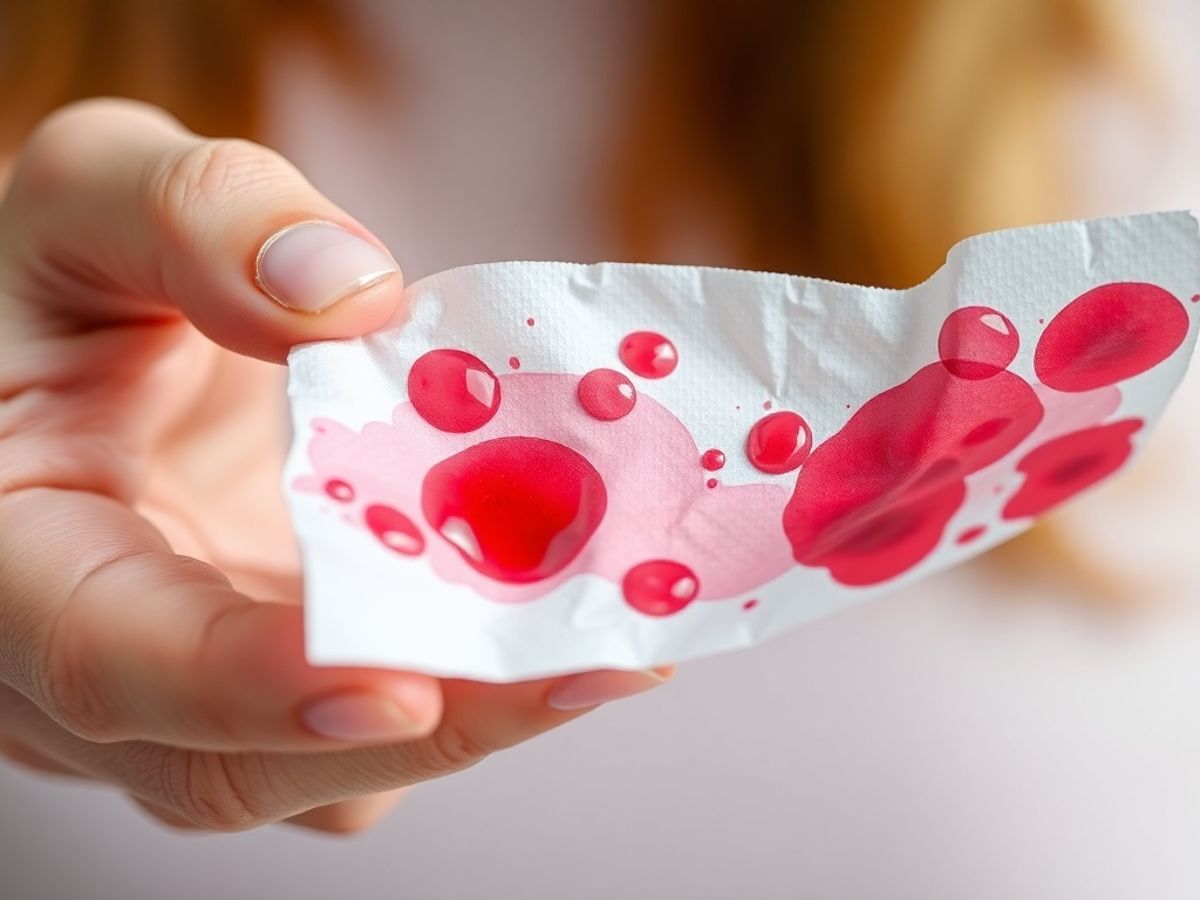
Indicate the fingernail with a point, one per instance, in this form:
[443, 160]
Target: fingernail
[312, 265]
[358, 716]
[594, 688]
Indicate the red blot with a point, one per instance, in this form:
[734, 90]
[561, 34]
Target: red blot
[529, 322]
[1061, 468]
[873, 500]
[518, 509]
[750, 604]
[395, 530]
[649, 354]
[453, 390]
[660, 587]
[766, 404]
[711, 483]
[606, 395]
[971, 534]
[339, 490]
[977, 342]
[1108, 334]
[778, 443]
[514, 363]
[712, 460]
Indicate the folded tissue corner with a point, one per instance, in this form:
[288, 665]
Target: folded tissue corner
[551, 467]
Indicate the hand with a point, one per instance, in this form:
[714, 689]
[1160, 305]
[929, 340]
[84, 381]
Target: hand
[150, 633]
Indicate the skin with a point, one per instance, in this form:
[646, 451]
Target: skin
[150, 628]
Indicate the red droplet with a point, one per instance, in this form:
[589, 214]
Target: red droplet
[529, 322]
[395, 530]
[766, 404]
[873, 500]
[606, 394]
[339, 490]
[711, 483]
[649, 354]
[453, 390]
[660, 587]
[712, 460]
[1061, 468]
[970, 534]
[518, 509]
[1196, 298]
[750, 604]
[1108, 334]
[977, 342]
[778, 443]
[514, 363]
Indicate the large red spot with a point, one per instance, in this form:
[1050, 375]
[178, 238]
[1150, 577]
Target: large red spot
[873, 500]
[1108, 334]
[1061, 468]
[518, 509]
[453, 390]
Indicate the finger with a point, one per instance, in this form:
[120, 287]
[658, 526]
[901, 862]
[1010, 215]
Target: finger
[23, 755]
[236, 791]
[116, 213]
[117, 638]
[350, 816]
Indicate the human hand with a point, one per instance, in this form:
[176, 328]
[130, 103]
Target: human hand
[150, 632]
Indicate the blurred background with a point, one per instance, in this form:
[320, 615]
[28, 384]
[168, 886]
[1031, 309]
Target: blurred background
[1023, 727]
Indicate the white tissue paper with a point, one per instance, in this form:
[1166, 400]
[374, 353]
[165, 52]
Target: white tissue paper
[552, 467]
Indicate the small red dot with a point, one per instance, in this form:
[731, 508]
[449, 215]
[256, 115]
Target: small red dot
[1196, 298]
[529, 322]
[1041, 321]
[750, 604]
[712, 482]
[766, 404]
[514, 363]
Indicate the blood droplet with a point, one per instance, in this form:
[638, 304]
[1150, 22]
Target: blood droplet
[649, 354]
[1108, 334]
[1061, 468]
[766, 404]
[514, 363]
[395, 530]
[518, 509]
[971, 534]
[453, 390]
[529, 322]
[712, 460]
[750, 604]
[977, 342]
[873, 500]
[606, 394]
[778, 443]
[660, 587]
[711, 483]
[339, 490]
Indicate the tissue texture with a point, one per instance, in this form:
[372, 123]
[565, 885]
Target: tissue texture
[551, 467]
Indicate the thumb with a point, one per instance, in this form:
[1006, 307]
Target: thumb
[117, 213]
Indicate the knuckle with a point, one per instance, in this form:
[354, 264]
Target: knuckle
[208, 172]
[220, 792]
[449, 749]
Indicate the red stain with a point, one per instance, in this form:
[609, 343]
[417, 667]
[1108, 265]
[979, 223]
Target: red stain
[518, 509]
[514, 362]
[977, 342]
[778, 443]
[1061, 468]
[659, 587]
[874, 499]
[712, 460]
[649, 354]
[395, 530]
[606, 394]
[971, 534]
[339, 490]
[766, 404]
[529, 322]
[453, 390]
[750, 604]
[711, 483]
[1108, 334]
